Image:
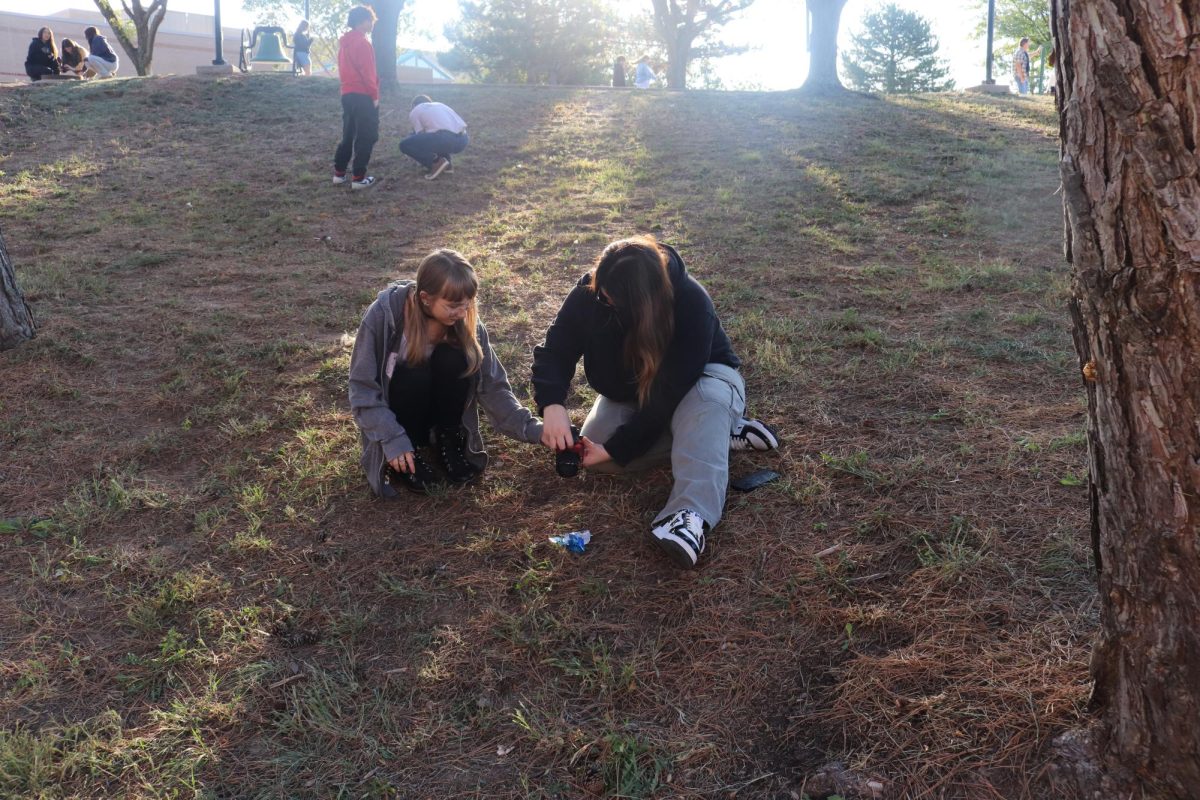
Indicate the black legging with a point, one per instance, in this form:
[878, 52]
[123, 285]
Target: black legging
[360, 131]
[433, 394]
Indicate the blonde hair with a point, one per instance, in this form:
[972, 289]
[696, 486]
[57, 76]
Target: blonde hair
[443, 275]
[633, 273]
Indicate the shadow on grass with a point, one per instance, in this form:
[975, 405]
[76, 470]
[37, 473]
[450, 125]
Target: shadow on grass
[217, 575]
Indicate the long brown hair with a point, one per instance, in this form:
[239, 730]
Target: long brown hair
[446, 275]
[633, 274]
[79, 53]
[53, 47]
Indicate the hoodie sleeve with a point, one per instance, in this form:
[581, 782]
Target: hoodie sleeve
[373, 416]
[364, 62]
[555, 359]
[682, 366]
[496, 398]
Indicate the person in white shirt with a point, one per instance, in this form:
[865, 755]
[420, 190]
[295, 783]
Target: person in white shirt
[438, 133]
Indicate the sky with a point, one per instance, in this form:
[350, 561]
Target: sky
[773, 28]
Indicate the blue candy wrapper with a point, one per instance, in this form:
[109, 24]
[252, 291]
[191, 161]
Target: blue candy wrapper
[575, 541]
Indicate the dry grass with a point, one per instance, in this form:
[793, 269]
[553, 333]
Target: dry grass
[205, 601]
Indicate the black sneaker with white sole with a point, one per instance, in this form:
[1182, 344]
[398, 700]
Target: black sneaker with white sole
[680, 536]
[753, 434]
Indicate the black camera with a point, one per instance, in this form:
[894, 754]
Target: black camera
[566, 462]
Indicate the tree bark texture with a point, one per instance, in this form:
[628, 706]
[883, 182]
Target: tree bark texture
[145, 21]
[383, 38]
[16, 318]
[1129, 87]
[825, 18]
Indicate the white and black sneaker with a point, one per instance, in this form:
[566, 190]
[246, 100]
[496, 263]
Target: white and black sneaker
[365, 182]
[338, 180]
[753, 434]
[681, 536]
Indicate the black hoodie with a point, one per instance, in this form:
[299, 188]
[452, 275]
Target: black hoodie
[589, 328]
[41, 54]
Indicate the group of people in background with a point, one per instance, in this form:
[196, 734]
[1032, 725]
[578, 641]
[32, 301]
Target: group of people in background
[643, 73]
[72, 60]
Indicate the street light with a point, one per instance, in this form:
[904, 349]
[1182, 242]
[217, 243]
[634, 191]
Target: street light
[989, 80]
[220, 59]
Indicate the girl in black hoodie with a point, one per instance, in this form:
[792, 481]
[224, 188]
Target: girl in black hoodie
[668, 385]
[42, 59]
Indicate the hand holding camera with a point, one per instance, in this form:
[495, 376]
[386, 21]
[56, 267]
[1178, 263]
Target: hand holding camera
[566, 462]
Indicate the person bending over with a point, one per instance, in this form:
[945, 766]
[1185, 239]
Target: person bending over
[102, 61]
[438, 133]
[667, 380]
[421, 369]
[74, 58]
[42, 58]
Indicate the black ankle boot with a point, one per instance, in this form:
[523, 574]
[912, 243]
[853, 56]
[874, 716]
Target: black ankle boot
[423, 477]
[452, 448]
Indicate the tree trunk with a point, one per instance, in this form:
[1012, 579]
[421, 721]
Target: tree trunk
[679, 51]
[383, 38]
[16, 318]
[825, 17]
[1127, 77]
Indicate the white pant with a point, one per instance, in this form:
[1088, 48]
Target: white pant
[105, 69]
[697, 442]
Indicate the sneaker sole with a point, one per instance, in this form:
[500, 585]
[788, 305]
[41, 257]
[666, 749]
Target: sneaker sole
[753, 440]
[436, 172]
[676, 552]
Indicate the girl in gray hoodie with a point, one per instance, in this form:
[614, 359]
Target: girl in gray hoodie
[421, 368]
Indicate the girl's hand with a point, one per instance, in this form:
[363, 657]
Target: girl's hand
[403, 462]
[556, 428]
[593, 453]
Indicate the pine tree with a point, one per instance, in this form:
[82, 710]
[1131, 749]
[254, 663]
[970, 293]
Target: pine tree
[895, 54]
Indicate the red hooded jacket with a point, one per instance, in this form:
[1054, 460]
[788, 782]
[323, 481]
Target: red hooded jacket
[356, 65]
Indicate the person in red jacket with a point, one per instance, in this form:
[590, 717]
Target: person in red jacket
[360, 99]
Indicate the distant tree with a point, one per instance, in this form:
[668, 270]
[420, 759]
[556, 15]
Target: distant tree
[895, 54]
[824, 18]
[16, 318]
[682, 23]
[326, 21]
[1015, 20]
[136, 31]
[532, 41]
[1129, 184]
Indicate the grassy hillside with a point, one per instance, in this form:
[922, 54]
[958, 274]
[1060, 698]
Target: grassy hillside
[204, 600]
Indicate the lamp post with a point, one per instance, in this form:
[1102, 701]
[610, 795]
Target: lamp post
[220, 59]
[989, 80]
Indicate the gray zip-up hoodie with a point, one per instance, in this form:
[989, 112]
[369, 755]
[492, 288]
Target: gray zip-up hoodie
[382, 436]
